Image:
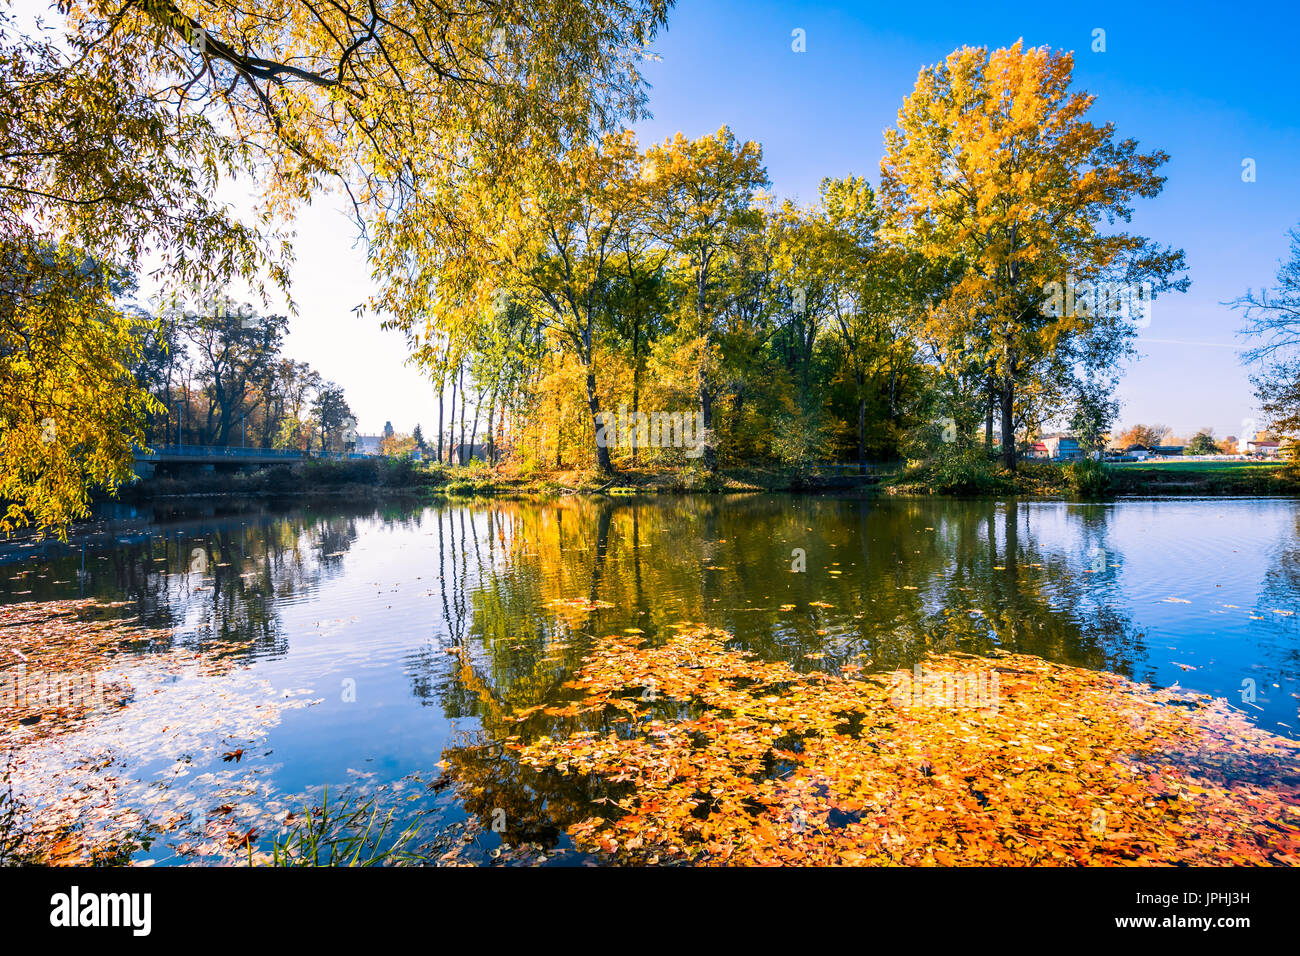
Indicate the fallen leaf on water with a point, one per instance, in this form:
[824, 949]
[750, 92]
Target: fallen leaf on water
[1180, 778]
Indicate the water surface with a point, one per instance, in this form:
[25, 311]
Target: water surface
[315, 641]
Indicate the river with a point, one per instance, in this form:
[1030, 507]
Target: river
[368, 649]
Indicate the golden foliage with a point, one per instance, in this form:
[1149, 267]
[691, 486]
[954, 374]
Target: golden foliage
[730, 759]
[70, 410]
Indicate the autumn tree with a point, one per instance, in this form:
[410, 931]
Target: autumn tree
[292, 387]
[1094, 411]
[398, 445]
[571, 248]
[330, 415]
[700, 200]
[637, 304]
[235, 353]
[849, 222]
[71, 411]
[993, 164]
[1148, 435]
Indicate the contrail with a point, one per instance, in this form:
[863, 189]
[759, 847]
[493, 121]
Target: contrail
[1213, 345]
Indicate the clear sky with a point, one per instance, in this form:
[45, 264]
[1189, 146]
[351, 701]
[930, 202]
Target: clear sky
[1212, 85]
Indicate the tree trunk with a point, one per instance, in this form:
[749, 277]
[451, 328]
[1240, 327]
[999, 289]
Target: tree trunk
[441, 382]
[636, 383]
[988, 421]
[862, 418]
[1008, 425]
[893, 392]
[451, 423]
[593, 404]
[460, 383]
[473, 432]
[706, 417]
[706, 399]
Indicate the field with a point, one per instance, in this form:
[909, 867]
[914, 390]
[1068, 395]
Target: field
[1207, 467]
[1231, 477]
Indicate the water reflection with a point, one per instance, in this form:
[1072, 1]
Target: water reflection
[447, 620]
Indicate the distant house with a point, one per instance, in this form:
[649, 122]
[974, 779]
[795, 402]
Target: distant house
[1265, 447]
[1167, 449]
[1062, 447]
[367, 444]
[1038, 450]
[464, 453]
[1139, 452]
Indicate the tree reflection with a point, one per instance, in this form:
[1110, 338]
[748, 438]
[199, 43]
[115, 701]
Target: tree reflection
[886, 583]
[217, 576]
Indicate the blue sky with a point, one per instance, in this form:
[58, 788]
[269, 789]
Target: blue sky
[1209, 87]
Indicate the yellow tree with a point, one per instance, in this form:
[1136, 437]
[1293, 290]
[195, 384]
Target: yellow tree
[873, 293]
[569, 250]
[70, 412]
[117, 135]
[994, 165]
[552, 250]
[701, 196]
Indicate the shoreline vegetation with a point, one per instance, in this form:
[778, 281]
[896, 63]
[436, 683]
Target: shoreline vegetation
[960, 475]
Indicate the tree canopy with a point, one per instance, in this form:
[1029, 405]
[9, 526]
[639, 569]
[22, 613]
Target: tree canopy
[597, 303]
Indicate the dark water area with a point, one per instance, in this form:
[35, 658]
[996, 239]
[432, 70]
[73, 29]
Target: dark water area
[317, 639]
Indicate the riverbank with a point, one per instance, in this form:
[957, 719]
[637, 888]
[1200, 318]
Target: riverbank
[1206, 478]
[975, 478]
[380, 478]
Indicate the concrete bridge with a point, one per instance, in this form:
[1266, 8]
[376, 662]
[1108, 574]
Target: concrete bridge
[209, 456]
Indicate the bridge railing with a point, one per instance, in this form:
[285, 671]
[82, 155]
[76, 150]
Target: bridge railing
[217, 451]
[238, 451]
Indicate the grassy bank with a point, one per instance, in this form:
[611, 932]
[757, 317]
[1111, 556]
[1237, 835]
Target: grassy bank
[1206, 478]
[381, 477]
[971, 474]
[961, 474]
[370, 478]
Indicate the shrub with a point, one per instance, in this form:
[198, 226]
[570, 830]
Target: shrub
[1088, 478]
[694, 478]
[960, 471]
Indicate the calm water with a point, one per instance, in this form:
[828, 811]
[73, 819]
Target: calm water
[315, 640]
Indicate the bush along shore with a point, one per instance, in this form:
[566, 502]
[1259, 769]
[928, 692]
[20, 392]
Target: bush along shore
[971, 473]
[966, 473]
[379, 477]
